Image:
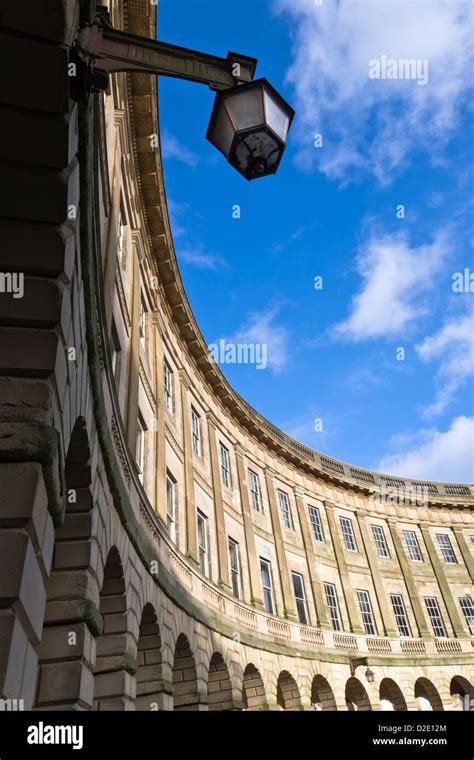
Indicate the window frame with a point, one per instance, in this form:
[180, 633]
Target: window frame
[171, 517]
[380, 541]
[203, 549]
[196, 432]
[235, 572]
[413, 547]
[168, 387]
[317, 524]
[367, 615]
[447, 551]
[300, 601]
[255, 494]
[468, 612]
[140, 458]
[437, 614]
[270, 595]
[401, 616]
[285, 510]
[333, 605]
[348, 535]
[224, 462]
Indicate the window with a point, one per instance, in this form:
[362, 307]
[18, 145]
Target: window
[380, 542]
[447, 550]
[348, 534]
[168, 386]
[434, 613]
[315, 520]
[140, 451]
[142, 323]
[225, 467]
[235, 574]
[472, 539]
[266, 573]
[171, 505]
[366, 613]
[254, 488]
[300, 599]
[285, 510]
[196, 432]
[467, 607]
[412, 546]
[333, 606]
[400, 615]
[202, 543]
[121, 239]
[116, 352]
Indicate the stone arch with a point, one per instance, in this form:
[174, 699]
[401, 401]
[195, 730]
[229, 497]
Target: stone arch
[67, 650]
[185, 692]
[391, 694]
[149, 662]
[356, 696]
[288, 694]
[114, 685]
[219, 688]
[427, 696]
[253, 690]
[322, 696]
[462, 693]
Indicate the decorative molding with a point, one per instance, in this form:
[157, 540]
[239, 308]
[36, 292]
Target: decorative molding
[170, 437]
[148, 389]
[119, 447]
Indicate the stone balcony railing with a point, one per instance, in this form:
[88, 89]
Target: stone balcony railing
[283, 631]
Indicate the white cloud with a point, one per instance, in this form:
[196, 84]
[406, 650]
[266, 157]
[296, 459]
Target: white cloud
[434, 455]
[172, 148]
[260, 328]
[394, 276]
[373, 125]
[197, 256]
[453, 347]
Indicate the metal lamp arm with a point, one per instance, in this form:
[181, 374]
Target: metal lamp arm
[106, 49]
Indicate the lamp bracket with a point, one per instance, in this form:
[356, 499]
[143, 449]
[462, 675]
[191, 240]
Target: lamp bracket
[101, 49]
[354, 663]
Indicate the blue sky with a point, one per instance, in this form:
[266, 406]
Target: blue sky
[332, 212]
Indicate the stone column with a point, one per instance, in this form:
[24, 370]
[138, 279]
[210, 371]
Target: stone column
[412, 591]
[134, 362]
[286, 588]
[386, 613]
[250, 550]
[443, 583]
[160, 432]
[353, 613]
[221, 534]
[189, 500]
[319, 606]
[464, 549]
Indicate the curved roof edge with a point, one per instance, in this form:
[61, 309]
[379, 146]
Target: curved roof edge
[150, 171]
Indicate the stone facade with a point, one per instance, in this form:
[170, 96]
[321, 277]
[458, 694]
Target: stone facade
[131, 542]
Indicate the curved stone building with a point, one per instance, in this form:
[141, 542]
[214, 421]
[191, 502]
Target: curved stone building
[162, 545]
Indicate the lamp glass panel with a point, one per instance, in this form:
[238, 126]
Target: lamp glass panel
[246, 108]
[223, 131]
[275, 117]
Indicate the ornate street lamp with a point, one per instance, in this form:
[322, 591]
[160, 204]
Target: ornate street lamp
[249, 124]
[250, 120]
